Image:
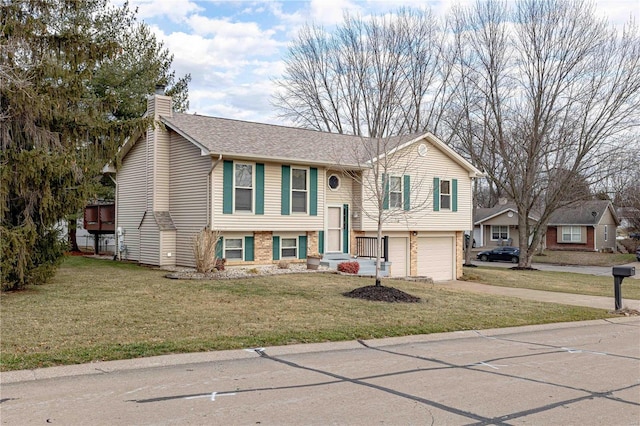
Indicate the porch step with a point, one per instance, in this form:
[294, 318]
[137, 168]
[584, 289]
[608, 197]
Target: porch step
[367, 266]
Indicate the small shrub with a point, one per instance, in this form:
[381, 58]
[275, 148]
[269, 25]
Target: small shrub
[253, 271]
[204, 250]
[283, 264]
[349, 267]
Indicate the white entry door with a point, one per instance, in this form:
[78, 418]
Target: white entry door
[334, 229]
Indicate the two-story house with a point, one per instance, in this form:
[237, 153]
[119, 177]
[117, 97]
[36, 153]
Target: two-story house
[278, 192]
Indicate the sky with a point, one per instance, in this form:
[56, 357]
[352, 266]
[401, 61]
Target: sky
[234, 49]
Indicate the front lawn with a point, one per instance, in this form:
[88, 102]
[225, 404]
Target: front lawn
[586, 258]
[104, 310]
[563, 282]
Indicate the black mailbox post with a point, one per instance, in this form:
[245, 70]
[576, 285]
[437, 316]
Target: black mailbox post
[619, 273]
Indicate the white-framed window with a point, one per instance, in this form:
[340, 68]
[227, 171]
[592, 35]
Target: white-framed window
[288, 248]
[334, 182]
[571, 234]
[299, 190]
[499, 232]
[233, 248]
[243, 187]
[445, 195]
[395, 192]
[606, 233]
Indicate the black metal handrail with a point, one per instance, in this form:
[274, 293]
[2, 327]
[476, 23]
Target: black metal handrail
[368, 247]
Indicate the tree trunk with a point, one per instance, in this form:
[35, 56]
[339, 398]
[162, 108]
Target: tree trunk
[73, 227]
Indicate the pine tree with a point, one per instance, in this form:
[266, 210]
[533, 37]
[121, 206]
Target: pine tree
[74, 75]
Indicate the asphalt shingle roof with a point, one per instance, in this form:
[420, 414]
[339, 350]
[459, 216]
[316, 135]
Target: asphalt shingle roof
[246, 139]
[585, 213]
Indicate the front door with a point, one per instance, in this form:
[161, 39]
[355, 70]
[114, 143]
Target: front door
[334, 229]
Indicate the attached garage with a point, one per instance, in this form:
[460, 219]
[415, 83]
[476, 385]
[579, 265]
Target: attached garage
[398, 256]
[436, 258]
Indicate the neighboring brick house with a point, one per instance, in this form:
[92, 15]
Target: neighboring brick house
[283, 193]
[589, 226]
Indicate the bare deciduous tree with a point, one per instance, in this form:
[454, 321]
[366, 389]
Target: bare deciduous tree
[548, 93]
[375, 77]
[388, 189]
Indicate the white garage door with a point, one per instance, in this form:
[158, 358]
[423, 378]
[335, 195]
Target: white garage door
[436, 258]
[398, 256]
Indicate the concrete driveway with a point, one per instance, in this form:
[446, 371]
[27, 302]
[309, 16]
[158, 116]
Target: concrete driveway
[584, 373]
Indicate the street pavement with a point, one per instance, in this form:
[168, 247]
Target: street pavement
[585, 373]
[603, 271]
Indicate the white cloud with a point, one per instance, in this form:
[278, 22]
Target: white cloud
[331, 12]
[175, 10]
[250, 101]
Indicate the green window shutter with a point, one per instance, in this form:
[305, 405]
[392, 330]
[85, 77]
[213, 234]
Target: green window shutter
[407, 193]
[345, 230]
[285, 208]
[276, 248]
[248, 249]
[313, 191]
[302, 247]
[259, 188]
[454, 195]
[436, 194]
[219, 246]
[321, 242]
[385, 191]
[227, 187]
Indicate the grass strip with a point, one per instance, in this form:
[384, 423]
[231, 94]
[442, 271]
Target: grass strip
[103, 310]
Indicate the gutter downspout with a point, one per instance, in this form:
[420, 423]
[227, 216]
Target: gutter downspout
[209, 189]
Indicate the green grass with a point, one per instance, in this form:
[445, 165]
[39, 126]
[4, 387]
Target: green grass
[563, 282]
[104, 310]
[585, 258]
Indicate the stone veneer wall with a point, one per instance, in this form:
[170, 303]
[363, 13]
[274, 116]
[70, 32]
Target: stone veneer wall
[263, 246]
[312, 243]
[413, 254]
[459, 254]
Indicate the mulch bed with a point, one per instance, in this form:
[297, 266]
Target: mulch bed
[382, 294]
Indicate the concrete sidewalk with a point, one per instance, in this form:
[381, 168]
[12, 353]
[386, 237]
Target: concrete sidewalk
[600, 302]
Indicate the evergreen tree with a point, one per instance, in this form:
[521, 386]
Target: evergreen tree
[74, 75]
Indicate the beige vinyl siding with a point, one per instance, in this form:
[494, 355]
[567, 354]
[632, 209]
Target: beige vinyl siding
[422, 171]
[161, 156]
[607, 219]
[161, 169]
[272, 219]
[503, 219]
[149, 241]
[344, 193]
[188, 194]
[132, 198]
[356, 220]
[167, 246]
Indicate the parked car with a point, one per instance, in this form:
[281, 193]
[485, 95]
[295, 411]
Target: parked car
[638, 254]
[506, 253]
[466, 241]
